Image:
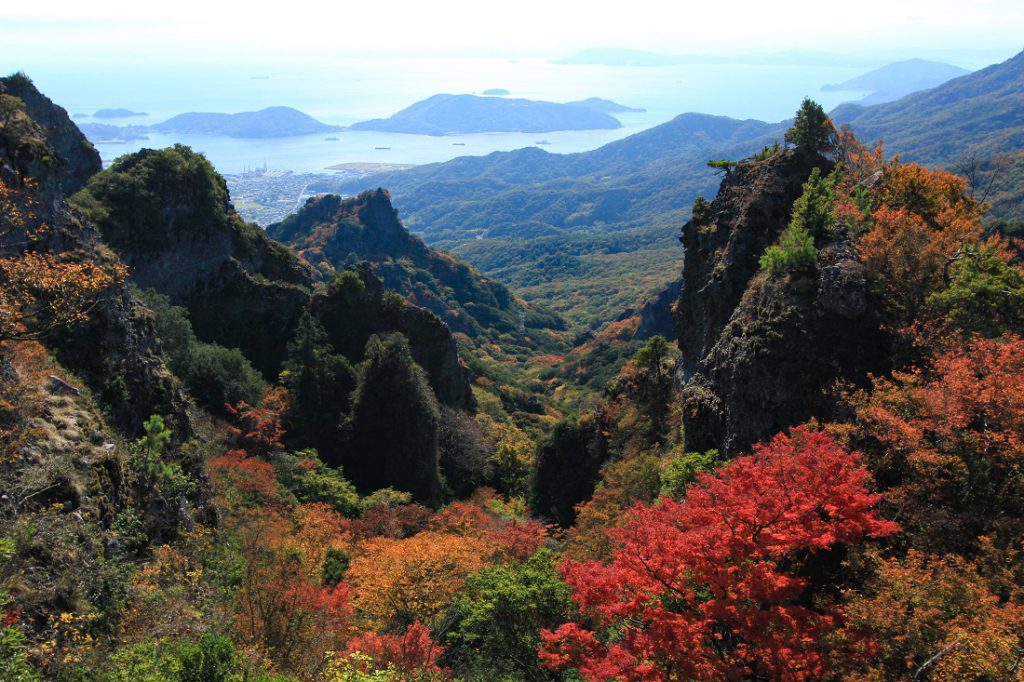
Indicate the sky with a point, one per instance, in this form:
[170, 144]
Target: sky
[60, 31]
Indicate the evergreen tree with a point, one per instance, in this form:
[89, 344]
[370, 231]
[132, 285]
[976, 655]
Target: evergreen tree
[568, 462]
[320, 382]
[393, 428]
[812, 131]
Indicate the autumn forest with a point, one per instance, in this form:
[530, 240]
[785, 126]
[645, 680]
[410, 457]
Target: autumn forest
[325, 451]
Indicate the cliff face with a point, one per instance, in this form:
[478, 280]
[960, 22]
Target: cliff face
[351, 317]
[167, 213]
[116, 350]
[331, 232]
[763, 352]
[724, 242]
[62, 159]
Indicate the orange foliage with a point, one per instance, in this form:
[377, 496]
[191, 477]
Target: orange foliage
[244, 482]
[318, 528]
[258, 429]
[921, 217]
[927, 617]
[951, 442]
[283, 612]
[398, 582]
[40, 292]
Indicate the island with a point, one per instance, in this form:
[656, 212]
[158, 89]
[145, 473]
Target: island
[606, 106]
[118, 113]
[265, 123]
[104, 133]
[896, 80]
[462, 114]
[497, 91]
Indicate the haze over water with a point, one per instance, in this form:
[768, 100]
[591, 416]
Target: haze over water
[345, 91]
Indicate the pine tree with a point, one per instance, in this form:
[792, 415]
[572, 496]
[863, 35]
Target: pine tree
[812, 131]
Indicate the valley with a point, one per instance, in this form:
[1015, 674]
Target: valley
[694, 396]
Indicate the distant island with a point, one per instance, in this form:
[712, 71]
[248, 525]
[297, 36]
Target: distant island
[454, 114]
[605, 106]
[496, 91]
[118, 113]
[896, 80]
[265, 123]
[104, 133]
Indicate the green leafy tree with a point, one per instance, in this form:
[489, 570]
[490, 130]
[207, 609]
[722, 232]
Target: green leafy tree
[215, 376]
[336, 563]
[681, 472]
[985, 294]
[306, 477]
[496, 621]
[812, 130]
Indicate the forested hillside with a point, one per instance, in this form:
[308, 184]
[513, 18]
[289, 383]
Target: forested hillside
[535, 220]
[224, 458]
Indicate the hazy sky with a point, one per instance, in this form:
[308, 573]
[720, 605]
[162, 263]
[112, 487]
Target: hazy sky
[197, 30]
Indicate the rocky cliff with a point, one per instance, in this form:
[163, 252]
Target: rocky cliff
[331, 232]
[168, 215]
[116, 351]
[351, 315]
[762, 352]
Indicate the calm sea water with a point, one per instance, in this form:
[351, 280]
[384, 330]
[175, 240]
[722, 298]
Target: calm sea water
[348, 90]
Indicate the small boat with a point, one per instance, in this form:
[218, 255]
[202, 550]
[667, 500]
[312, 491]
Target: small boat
[458, 144]
[382, 147]
[330, 139]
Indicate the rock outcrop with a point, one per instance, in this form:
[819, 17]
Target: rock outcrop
[351, 317]
[331, 232]
[168, 215]
[115, 351]
[763, 352]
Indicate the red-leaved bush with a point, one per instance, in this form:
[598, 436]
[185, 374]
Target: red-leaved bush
[710, 587]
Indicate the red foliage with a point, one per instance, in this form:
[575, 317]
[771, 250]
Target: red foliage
[710, 586]
[463, 518]
[519, 540]
[244, 481]
[401, 521]
[282, 610]
[410, 653]
[9, 616]
[951, 443]
[258, 429]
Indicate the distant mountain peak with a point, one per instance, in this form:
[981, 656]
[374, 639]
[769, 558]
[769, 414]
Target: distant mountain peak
[444, 114]
[276, 121]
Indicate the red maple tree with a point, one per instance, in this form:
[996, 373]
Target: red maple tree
[710, 587]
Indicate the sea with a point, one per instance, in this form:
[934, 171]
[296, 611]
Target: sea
[346, 90]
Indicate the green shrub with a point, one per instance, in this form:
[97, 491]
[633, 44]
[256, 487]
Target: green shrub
[306, 477]
[795, 253]
[214, 375]
[336, 563]
[681, 472]
[813, 215]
